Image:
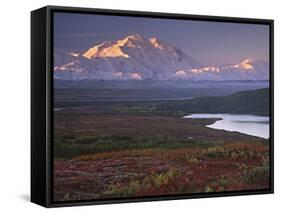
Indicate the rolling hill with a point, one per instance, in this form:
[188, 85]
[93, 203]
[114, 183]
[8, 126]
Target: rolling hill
[244, 102]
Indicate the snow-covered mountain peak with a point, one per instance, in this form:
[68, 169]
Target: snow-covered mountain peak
[131, 41]
[138, 58]
[115, 49]
[248, 61]
[249, 65]
[134, 45]
[105, 49]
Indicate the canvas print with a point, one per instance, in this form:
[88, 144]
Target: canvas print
[156, 107]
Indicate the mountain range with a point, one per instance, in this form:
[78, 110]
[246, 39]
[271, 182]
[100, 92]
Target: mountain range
[138, 58]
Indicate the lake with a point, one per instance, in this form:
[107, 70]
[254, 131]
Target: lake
[247, 124]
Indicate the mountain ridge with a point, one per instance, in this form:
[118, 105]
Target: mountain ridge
[138, 58]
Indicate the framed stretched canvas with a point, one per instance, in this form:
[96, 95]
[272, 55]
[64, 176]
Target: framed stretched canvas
[139, 106]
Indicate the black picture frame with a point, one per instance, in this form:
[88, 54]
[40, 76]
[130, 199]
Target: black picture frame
[42, 103]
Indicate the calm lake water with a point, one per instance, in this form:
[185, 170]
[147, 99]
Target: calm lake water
[247, 124]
